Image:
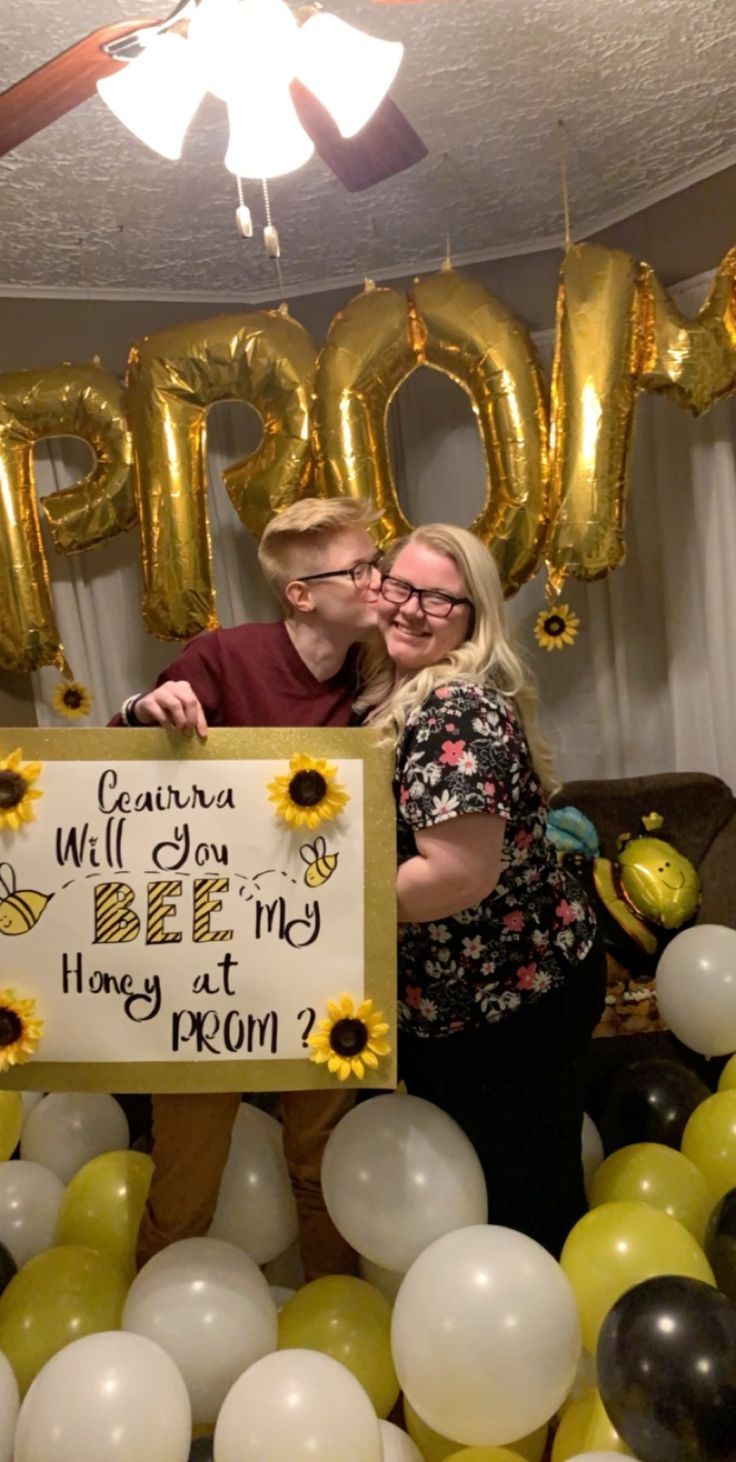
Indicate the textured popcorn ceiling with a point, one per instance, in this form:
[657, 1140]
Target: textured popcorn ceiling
[647, 89]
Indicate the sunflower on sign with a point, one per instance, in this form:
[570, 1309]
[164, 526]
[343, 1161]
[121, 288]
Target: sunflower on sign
[17, 793]
[20, 1029]
[351, 1038]
[556, 627]
[308, 794]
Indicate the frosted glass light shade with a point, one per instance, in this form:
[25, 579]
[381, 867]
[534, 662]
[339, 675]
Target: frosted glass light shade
[236, 40]
[348, 71]
[156, 95]
[266, 137]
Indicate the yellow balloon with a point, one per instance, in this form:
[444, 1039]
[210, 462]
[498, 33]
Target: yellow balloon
[649, 1172]
[58, 1297]
[617, 1246]
[727, 1079]
[484, 1454]
[11, 1122]
[435, 1448]
[349, 1320]
[586, 1427]
[103, 1206]
[709, 1140]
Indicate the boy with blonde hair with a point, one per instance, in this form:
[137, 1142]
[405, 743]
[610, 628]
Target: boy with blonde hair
[318, 558]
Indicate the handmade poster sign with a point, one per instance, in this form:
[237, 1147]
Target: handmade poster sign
[186, 916]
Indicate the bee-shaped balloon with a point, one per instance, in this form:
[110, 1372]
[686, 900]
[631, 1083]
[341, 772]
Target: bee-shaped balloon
[19, 911]
[320, 864]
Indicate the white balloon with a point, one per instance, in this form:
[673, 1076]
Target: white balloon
[386, 1281]
[67, 1129]
[30, 1099]
[30, 1197]
[592, 1150]
[478, 1309]
[210, 1308]
[108, 1395]
[397, 1174]
[256, 1208]
[696, 988]
[397, 1446]
[297, 1406]
[585, 1378]
[9, 1408]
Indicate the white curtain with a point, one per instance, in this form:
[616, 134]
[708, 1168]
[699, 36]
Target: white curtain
[650, 684]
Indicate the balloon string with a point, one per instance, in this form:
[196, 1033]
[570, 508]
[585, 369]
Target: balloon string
[562, 139]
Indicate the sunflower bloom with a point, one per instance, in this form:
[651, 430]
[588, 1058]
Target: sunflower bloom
[308, 794]
[72, 699]
[556, 627]
[20, 1029]
[17, 794]
[350, 1039]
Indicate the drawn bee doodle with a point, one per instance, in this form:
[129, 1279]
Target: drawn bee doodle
[19, 911]
[320, 864]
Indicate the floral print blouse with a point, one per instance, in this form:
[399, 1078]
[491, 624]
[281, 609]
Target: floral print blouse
[464, 751]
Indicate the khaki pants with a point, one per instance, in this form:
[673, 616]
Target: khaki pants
[191, 1140]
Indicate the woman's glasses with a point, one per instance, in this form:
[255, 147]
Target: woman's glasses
[433, 602]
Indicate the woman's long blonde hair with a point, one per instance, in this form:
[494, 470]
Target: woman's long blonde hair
[487, 655]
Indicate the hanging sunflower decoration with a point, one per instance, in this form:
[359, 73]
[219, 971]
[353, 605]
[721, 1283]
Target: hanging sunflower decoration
[17, 794]
[350, 1038]
[71, 699]
[308, 794]
[20, 1029]
[556, 627]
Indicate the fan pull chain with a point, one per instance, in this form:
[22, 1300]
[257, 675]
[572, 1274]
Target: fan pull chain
[243, 216]
[271, 235]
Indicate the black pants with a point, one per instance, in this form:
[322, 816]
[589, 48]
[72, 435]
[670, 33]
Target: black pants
[516, 1088]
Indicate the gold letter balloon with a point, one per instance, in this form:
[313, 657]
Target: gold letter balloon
[80, 401]
[556, 481]
[265, 359]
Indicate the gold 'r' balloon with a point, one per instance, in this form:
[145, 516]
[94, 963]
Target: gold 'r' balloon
[264, 358]
[471, 336]
[68, 400]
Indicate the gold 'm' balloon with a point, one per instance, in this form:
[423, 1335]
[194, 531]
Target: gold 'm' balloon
[692, 361]
[471, 336]
[369, 352]
[68, 400]
[597, 347]
[264, 358]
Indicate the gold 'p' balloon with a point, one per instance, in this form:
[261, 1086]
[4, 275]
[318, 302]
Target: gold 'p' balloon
[455, 326]
[68, 400]
[264, 358]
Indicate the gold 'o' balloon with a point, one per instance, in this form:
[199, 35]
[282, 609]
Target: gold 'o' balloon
[456, 326]
[264, 358]
[68, 400]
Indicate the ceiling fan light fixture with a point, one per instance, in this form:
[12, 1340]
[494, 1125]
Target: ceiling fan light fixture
[230, 38]
[348, 71]
[156, 95]
[267, 139]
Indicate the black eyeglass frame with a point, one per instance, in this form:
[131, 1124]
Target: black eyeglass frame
[363, 563]
[421, 594]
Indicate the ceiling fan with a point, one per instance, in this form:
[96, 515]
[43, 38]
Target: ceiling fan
[382, 146]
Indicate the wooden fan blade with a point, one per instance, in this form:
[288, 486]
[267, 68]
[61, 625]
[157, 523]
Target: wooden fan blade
[60, 85]
[386, 145]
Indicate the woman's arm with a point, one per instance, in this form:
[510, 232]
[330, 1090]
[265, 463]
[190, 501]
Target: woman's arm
[457, 865]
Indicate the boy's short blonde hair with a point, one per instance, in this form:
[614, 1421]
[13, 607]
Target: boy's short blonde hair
[294, 539]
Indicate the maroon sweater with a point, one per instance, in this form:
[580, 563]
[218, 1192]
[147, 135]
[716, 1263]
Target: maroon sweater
[252, 676]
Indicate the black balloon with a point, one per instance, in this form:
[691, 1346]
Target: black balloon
[8, 1267]
[650, 1101]
[720, 1243]
[202, 1450]
[666, 1366]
